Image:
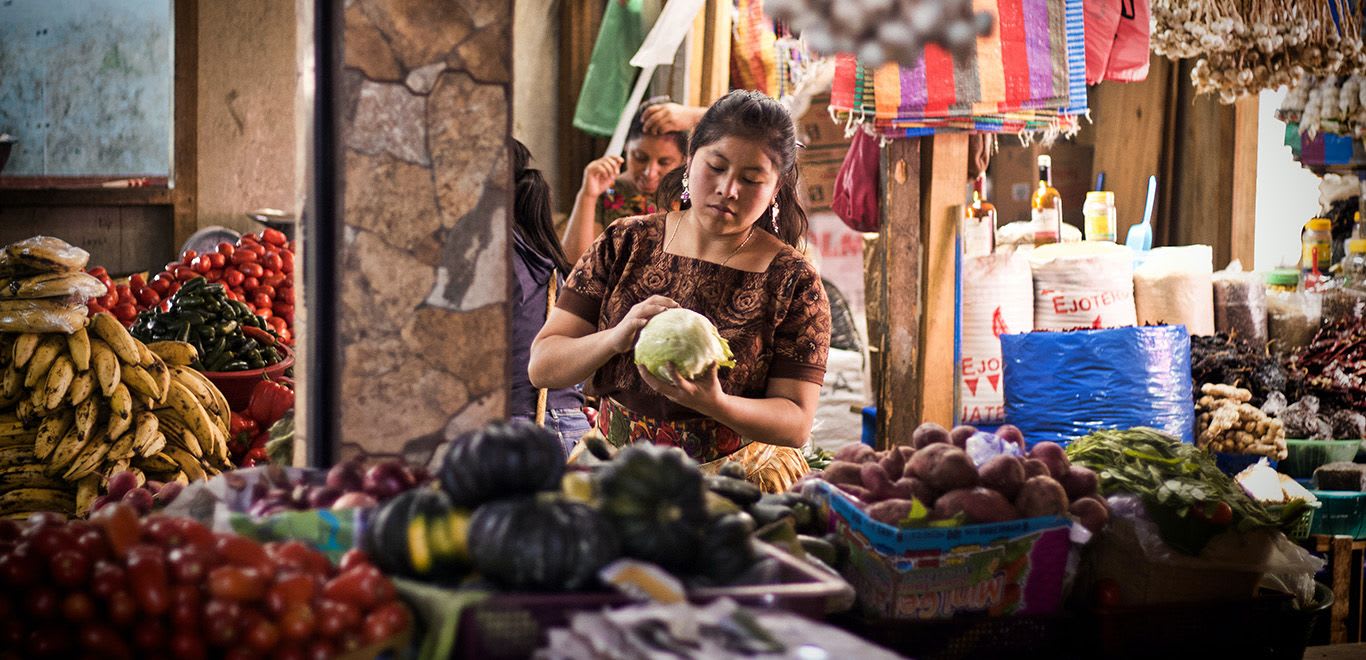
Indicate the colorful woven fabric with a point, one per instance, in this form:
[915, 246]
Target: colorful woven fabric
[704, 439]
[1029, 74]
[753, 53]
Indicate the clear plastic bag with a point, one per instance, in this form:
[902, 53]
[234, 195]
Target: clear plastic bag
[75, 285]
[1293, 318]
[47, 254]
[41, 316]
[1240, 303]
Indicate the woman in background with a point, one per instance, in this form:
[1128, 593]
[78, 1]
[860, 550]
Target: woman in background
[539, 268]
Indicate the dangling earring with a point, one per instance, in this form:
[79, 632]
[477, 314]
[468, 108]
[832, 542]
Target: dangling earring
[775, 216]
[686, 197]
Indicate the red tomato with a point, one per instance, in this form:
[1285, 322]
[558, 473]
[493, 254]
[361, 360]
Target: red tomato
[171, 291]
[266, 290]
[301, 555]
[274, 237]
[263, 635]
[287, 261]
[250, 283]
[236, 583]
[215, 275]
[202, 264]
[264, 312]
[275, 279]
[186, 605]
[248, 239]
[226, 249]
[110, 299]
[136, 281]
[218, 260]
[277, 323]
[294, 589]
[107, 578]
[286, 311]
[149, 635]
[273, 261]
[93, 306]
[221, 622]
[185, 273]
[148, 296]
[188, 256]
[321, 649]
[233, 277]
[159, 285]
[42, 602]
[148, 578]
[186, 645]
[189, 564]
[78, 607]
[262, 300]
[285, 294]
[1222, 514]
[120, 608]
[251, 269]
[125, 292]
[47, 539]
[244, 256]
[335, 617]
[91, 543]
[244, 552]
[196, 534]
[386, 621]
[125, 312]
[69, 568]
[353, 558]
[98, 271]
[297, 622]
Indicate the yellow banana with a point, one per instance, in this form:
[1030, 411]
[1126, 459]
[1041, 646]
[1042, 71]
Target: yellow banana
[195, 418]
[145, 355]
[120, 410]
[116, 336]
[122, 449]
[141, 382]
[162, 375]
[78, 346]
[37, 398]
[82, 385]
[202, 389]
[87, 489]
[51, 431]
[106, 363]
[146, 427]
[24, 346]
[42, 359]
[158, 462]
[87, 418]
[67, 449]
[23, 409]
[17, 455]
[59, 379]
[156, 444]
[175, 353]
[186, 461]
[89, 459]
[26, 475]
[12, 385]
[29, 500]
[10, 425]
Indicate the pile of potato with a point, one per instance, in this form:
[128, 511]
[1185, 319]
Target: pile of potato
[936, 470]
[1228, 423]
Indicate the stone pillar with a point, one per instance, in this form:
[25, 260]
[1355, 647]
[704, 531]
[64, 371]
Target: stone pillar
[424, 121]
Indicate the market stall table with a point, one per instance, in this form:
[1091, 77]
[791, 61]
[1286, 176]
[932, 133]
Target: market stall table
[1347, 583]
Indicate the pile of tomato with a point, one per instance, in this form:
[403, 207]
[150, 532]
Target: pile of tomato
[117, 586]
[258, 270]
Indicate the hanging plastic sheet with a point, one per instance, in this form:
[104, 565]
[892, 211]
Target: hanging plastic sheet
[1029, 74]
[607, 83]
[1064, 385]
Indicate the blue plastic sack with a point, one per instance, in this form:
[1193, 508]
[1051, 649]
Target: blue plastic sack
[1065, 385]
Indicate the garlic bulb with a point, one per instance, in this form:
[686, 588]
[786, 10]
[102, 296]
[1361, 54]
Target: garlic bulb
[883, 30]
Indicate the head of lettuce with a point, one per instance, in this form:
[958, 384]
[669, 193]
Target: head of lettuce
[682, 338]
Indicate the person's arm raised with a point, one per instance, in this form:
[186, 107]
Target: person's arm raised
[567, 350]
[598, 176]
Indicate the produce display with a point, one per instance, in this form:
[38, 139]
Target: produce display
[42, 287]
[86, 405]
[132, 488]
[1224, 360]
[225, 333]
[1183, 490]
[1228, 423]
[250, 430]
[681, 341]
[1333, 366]
[257, 271]
[1305, 419]
[120, 587]
[938, 481]
[349, 484]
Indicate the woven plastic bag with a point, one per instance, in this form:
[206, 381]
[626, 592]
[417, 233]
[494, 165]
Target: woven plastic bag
[855, 199]
[1065, 385]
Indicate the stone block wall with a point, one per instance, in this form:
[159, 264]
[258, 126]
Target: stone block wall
[427, 192]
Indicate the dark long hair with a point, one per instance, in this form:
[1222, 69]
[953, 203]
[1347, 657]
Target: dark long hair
[531, 209]
[750, 115]
[637, 129]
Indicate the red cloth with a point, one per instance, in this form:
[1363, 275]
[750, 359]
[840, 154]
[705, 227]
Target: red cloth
[1117, 34]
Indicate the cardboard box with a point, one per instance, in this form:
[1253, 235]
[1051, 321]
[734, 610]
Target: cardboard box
[823, 153]
[995, 569]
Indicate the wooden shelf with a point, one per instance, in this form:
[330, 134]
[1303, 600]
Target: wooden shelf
[85, 197]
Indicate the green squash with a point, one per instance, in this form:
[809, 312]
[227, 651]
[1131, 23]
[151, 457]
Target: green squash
[727, 550]
[541, 544]
[655, 499]
[419, 534]
[502, 459]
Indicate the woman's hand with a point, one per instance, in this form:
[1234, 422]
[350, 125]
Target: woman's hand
[625, 333]
[599, 175]
[702, 394]
[669, 118]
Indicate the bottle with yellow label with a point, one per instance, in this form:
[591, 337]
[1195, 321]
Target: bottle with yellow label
[1316, 255]
[1099, 211]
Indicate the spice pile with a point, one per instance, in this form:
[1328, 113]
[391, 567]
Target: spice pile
[1224, 360]
[1333, 366]
[1229, 424]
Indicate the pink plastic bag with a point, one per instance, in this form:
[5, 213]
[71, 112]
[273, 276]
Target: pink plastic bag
[1117, 34]
[855, 199]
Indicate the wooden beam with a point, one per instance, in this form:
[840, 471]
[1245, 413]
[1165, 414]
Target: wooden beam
[185, 161]
[579, 24]
[943, 191]
[86, 197]
[709, 57]
[898, 400]
[1244, 208]
[1130, 119]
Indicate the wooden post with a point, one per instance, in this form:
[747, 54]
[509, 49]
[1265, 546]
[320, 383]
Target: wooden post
[1243, 211]
[709, 57]
[924, 184]
[185, 116]
[898, 400]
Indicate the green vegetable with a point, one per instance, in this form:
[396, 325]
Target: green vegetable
[541, 543]
[1180, 486]
[653, 495]
[684, 339]
[203, 315]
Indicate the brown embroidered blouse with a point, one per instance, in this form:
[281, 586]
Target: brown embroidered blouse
[777, 322]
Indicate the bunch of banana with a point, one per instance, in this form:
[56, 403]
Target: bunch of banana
[97, 402]
[40, 277]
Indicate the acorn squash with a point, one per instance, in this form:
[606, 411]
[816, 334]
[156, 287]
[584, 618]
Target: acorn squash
[541, 543]
[654, 497]
[419, 534]
[502, 459]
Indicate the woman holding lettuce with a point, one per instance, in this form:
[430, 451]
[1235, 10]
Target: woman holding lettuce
[729, 254]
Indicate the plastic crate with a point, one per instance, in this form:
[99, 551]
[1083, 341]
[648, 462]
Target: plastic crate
[1304, 456]
[1304, 525]
[1342, 513]
[514, 625]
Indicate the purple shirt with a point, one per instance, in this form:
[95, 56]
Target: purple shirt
[531, 281]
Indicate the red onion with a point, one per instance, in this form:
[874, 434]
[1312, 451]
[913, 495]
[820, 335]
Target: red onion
[387, 479]
[323, 497]
[347, 476]
[354, 500]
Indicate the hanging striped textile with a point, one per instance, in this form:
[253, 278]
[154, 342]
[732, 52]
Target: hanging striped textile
[753, 51]
[1028, 75]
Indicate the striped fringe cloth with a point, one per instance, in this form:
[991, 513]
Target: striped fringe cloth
[1028, 76]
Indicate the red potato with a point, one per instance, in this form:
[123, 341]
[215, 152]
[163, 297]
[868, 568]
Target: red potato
[1091, 513]
[893, 462]
[978, 505]
[891, 512]
[924, 460]
[1035, 468]
[953, 470]
[840, 473]
[1079, 482]
[1005, 474]
[1052, 454]
[958, 437]
[1041, 496]
[1011, 433]
[855, 452]
[928, 434]
[906, 488]
[877, 481]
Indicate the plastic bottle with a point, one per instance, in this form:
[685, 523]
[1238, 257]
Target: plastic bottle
[1099, 211]
[1316, 256]
[1358, 228]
